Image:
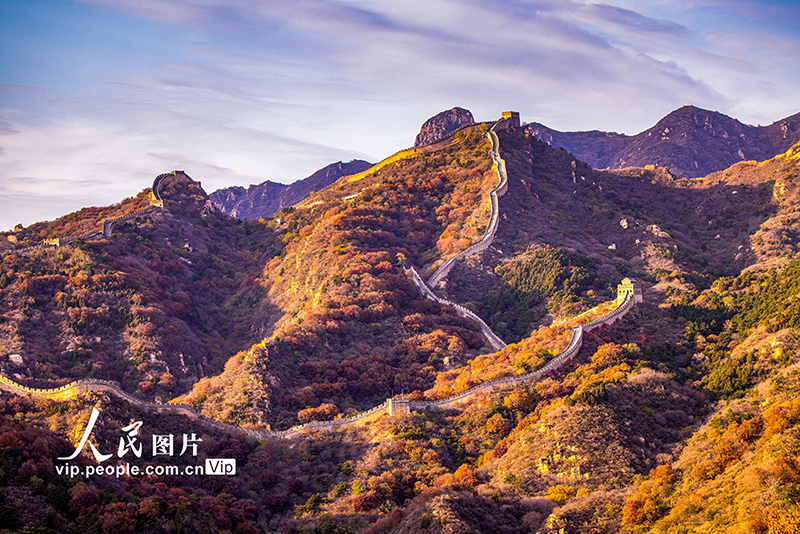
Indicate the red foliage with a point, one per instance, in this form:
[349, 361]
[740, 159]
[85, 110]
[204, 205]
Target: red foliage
[119, 518]
[324, 412]
[365, 502]
[84, 499]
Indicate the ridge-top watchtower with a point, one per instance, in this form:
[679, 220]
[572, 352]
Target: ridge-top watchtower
[630, 287]
[513, 116]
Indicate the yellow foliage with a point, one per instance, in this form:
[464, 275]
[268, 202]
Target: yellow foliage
[784, 523]
[561, 493]
[497, 424]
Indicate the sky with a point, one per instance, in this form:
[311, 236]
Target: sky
[97, 97]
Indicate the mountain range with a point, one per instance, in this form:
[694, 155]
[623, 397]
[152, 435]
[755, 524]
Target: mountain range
[690, 142]
[265, 199]
[680, 417]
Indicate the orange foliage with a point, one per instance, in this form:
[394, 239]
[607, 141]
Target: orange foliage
[497, 424]
[521, 400]
[780, 417]
[324, 412]
[608, 354]
[649, 502]
[784, 522]
[465, 478]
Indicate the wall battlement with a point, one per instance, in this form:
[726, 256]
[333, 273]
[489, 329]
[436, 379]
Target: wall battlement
[513, 117]
[394, 406]
[494, 219]
[630, 287]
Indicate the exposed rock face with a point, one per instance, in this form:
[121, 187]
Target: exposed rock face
[689, 141]
[442, 124]
[267, 198]
[242, 203]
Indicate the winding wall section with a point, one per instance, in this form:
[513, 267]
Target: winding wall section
[106, 226]
[391, 406]
[488, 235]
[493, 338]
[483, 244]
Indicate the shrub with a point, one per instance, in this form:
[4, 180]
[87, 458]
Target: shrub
[561, 493]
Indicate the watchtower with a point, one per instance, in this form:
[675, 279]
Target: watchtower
[513, 116]
[627, 287]
[398, 405]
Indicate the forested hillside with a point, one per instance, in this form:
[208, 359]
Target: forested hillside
[159, 305]
[355, 330]
[681, 417]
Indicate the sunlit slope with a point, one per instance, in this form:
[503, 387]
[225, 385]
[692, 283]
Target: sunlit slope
[354, 329]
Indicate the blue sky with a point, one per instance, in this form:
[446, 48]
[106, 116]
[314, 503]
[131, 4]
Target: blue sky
[99, 96]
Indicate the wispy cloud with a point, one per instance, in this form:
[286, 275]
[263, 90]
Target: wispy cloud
[244, 91]
[629, 19]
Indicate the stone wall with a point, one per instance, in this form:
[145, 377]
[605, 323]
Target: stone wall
[494, 219]
[106, 225]
[394, 406]
[493, 338]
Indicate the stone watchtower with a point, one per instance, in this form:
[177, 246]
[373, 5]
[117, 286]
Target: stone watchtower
[631, 287]
[157, 202]
[513, 116]
[398, 405]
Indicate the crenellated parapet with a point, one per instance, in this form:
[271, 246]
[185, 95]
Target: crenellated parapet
[155, 193]
[505, 382]
[493, 338]
[394, 406]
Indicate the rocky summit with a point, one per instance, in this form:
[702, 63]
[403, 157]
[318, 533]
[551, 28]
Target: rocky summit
[442, 124]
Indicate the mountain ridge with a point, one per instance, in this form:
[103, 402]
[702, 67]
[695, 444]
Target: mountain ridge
[265, 199]
[694, 388]
[690, 141]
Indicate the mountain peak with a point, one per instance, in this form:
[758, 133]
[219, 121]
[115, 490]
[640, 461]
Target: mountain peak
[442, 124]
[690, 141]
[696, 115]
[266, 198]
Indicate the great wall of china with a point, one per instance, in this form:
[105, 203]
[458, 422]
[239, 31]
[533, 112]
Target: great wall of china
[493, 338]
[106, 226]
[628, 293]
[488, 235]
[483, 244]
